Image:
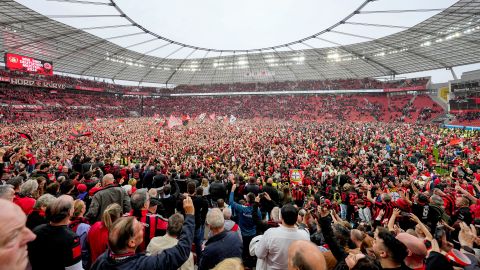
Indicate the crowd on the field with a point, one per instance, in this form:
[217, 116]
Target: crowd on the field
[212, 194]
[23, 104]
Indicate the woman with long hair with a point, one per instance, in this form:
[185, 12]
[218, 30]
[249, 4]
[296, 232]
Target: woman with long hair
[97, 237]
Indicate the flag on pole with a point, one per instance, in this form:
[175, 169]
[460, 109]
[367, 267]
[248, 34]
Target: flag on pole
[201, 117]
[185, 119]
[232, 119]
[212, 116]
[174, 121]
[25, 136]
[76, 135]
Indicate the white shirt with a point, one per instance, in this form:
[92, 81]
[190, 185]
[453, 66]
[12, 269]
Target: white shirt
[273, 247]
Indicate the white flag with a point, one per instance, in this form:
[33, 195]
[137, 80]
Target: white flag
[232, 119]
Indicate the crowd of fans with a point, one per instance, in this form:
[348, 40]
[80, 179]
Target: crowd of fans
[339, 84]
[135, 194]
[73, 82]
[344, 84]
[467, 119]
[22, 104]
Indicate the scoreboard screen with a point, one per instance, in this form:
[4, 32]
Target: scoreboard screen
[28, 64]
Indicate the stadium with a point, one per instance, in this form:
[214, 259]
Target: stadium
[256, 135]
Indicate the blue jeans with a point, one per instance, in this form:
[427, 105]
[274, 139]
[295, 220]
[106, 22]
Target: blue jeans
[198, 240]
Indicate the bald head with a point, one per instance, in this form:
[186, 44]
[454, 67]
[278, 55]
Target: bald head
[306, 256]
[414, 244]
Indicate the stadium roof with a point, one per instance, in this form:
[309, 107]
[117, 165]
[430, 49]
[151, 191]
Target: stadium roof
[447, 39]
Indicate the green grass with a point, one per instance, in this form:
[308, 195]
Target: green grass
[435, 154]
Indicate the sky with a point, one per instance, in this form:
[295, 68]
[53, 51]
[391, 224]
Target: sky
[245, 24]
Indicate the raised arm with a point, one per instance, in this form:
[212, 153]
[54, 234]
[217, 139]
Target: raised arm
[391, 221]
[369, 196]
[174, 257]
[422, 227]
[231, 201]
[325, 223]
[466, 193]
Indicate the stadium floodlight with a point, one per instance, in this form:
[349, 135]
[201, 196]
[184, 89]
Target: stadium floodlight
[333, 56]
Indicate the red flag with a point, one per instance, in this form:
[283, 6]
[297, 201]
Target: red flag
[75, 135]
[455, 141]
[25, 136]
[212, 116]
[185, 119]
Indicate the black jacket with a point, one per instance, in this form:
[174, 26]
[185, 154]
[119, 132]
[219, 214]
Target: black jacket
[55, 247]
[254, 188]
[201, 209]
[35, 219]
[219, 247]
[217, 191]
[272, 192]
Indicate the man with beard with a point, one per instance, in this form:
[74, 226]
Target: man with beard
[389, 251]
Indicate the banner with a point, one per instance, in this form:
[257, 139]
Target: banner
[296, 176]
[26, 106]
[86, 88]
[443, 93]
[402, 89]
[35, 83]
[137, 93]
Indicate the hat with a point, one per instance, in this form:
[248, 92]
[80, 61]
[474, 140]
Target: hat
[81, 188]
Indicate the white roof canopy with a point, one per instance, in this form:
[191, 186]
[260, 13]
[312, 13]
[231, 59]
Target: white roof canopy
[448, 39]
